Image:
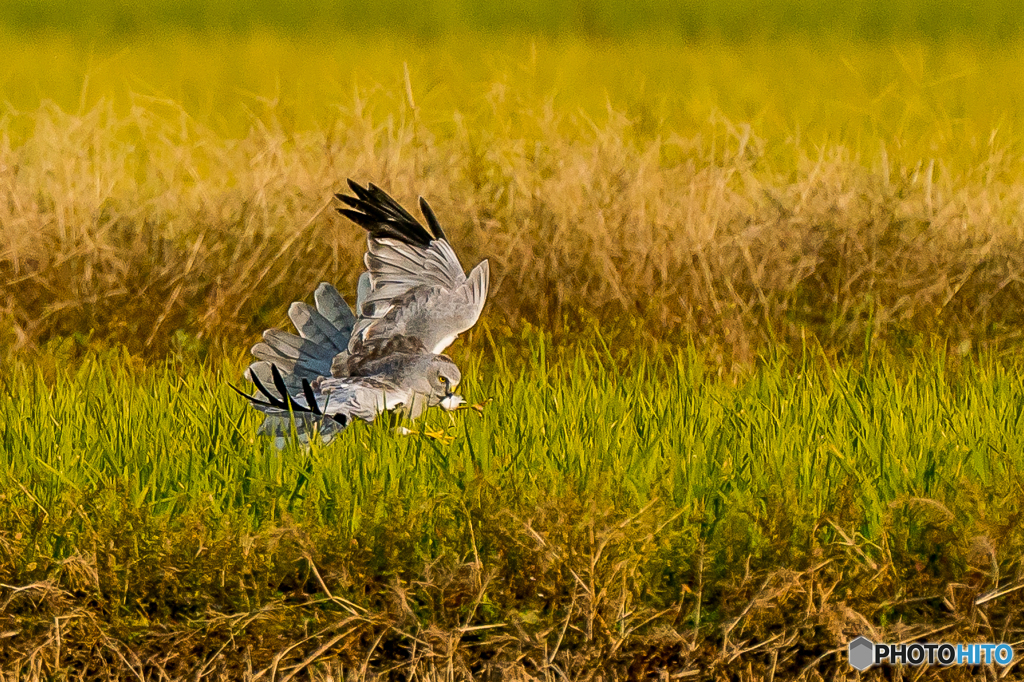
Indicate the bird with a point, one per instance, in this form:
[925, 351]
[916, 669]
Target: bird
[387, 355]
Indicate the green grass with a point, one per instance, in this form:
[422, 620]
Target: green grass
[651, 503]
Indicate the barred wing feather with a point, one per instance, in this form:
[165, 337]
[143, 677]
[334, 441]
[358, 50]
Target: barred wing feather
[324, 332]
[416, 285]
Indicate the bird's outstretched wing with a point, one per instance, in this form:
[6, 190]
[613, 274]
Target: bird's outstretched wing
[324, 332]
[325, 405]
[414, 285]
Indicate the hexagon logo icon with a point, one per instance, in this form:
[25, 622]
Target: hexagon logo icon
[862, 653]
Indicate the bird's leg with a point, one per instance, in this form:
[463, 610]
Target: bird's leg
[394, 423]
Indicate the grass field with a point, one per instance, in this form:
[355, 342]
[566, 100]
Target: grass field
[633, 519]
[740, 195]
[749, 374]
[774, 210]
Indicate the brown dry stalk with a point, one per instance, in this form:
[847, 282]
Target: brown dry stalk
[146, 229]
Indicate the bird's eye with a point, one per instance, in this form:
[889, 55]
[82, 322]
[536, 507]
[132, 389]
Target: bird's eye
[440, 379]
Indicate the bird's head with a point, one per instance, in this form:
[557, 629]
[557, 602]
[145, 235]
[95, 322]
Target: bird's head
[443, 377]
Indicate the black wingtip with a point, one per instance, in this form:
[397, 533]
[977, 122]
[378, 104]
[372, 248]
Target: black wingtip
[360, 219]
[346, 198]
[354, 186]
[283, 390]
[279, 384]
[286, 402]
[307, 391]
[271, 399]
[251, 398]
[432, 221]
[378, 213]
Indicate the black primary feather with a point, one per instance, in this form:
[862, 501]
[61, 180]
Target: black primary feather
[432, 221]
[273, 401]
[307, 391]
[383, 217]
[283, 390]
[251, 398]
[278, 403]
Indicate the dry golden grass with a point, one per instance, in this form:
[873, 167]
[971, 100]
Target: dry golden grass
[146, 229]
[577, 607]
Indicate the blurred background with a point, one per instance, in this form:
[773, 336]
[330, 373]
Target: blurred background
[740, 172]
[851, 69]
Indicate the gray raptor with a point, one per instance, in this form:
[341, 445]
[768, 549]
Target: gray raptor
[411, 303]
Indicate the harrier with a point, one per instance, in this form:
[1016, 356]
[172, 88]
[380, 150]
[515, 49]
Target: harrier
[411, 303]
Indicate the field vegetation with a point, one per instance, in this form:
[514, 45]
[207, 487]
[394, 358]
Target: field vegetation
[147, 228]
[592, 519]
[747, 386]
